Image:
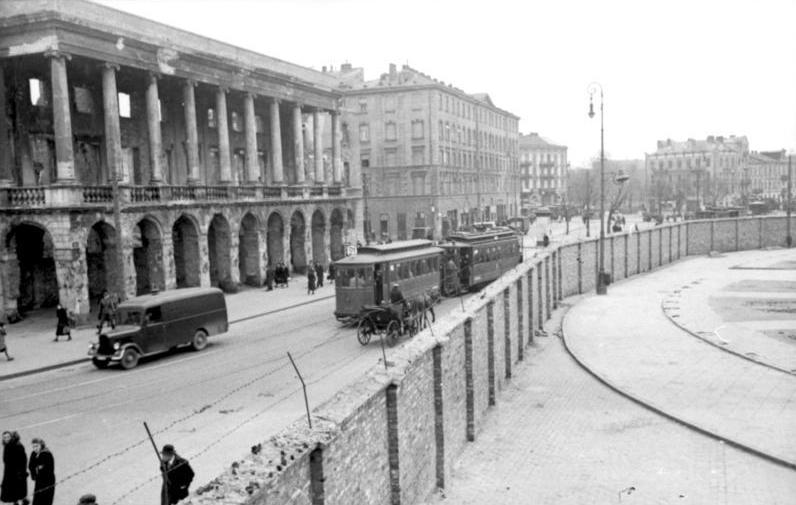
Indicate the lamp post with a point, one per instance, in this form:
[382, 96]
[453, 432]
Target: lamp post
[602, 285]
[788, 237]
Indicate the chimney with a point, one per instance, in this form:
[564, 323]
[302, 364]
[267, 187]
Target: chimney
[323, 69]
[720, 139]
[711, 138]
[661, 144]
[345, 67]
[392, 69]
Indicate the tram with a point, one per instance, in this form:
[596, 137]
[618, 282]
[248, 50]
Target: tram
[365, 279]
[477, 258]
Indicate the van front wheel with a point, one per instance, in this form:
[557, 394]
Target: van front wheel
[129, 359]
[199, 341]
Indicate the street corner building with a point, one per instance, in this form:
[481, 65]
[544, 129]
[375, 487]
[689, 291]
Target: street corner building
[433, 158]
[137, 157]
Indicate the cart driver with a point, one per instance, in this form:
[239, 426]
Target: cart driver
[397, 297]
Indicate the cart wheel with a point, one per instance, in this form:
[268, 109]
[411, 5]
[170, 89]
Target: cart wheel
[365, 330]
[393, 332]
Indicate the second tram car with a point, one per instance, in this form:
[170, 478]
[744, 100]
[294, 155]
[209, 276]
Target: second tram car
[477, 258]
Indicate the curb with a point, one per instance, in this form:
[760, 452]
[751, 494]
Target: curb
[718, 346]
[650, 406]
[65, 364]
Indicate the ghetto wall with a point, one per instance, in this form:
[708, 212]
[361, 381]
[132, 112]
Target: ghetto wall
[392, 437]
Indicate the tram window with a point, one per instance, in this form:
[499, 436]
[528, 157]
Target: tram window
[435, 264]
[361, 278]
[422, 267]
[345, 277]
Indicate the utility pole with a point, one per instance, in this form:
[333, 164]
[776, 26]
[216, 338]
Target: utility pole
[788, 237]
[588, 201]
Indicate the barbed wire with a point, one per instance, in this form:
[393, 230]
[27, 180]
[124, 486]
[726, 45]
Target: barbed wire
[196, 412]
[239, 425]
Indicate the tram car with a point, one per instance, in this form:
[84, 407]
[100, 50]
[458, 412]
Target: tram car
[366, 278]
[473, 259]
[423, 271]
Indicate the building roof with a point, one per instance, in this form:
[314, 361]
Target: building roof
[352, 80]
[710, 144]
[130, 33]
[534, 140]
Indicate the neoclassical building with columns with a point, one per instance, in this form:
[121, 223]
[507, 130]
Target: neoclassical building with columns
[135, 156]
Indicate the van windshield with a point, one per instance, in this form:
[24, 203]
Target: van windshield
[129, 316]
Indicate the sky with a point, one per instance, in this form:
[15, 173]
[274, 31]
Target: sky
[669, 69]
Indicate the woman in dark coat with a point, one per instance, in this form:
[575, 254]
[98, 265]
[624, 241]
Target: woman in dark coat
[42, 470]
[62, 326]
[14, 488]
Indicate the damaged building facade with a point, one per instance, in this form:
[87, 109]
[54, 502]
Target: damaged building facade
[225, 161]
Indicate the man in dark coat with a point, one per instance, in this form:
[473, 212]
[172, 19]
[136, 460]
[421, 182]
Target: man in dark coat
[14, 487]
[42, 471]
[319, 274]
[177, 476]
[269, 278]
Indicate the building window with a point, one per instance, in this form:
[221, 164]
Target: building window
[38, 93]
[418, 155]
[390, 131]
[84, 103]
[236, 125]
[124, 105]
[390, 157]
[364, 132]
[363, 106]
[417, 129]
[211, 118]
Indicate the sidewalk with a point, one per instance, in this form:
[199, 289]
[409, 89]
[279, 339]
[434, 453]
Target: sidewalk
[627, 341]
[30, 341]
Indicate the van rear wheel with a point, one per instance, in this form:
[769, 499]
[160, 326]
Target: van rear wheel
[199, 340]
[129, 358]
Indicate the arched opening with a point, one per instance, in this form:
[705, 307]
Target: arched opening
[298, 258]
[148, 257]
[185, 237]
[318, 230]
[31, 274]
[336, 247]
[218, 248]
[249, 251]
[102, 265]
[275, 234]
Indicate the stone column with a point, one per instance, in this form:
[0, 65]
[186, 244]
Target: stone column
[62, 118]
[252, 167]
[189, 106]
[337, 149]
[225, 163]
[317, 142]
[169, 268]
[298, 144]
[276, 143]
[155, 136]
[113, 136]
[5, 147]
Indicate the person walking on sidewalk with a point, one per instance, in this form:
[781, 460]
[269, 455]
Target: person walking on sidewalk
[319, 273]
[177, 476]
[310, 280]
[42, 471]
[62, 326]
[3, 347]
[14, 488]
[107, 311]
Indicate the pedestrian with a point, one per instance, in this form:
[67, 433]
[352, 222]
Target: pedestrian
[3, 347]
[269, 278]
[319, 273]
[62, 326]
[14, 488]
[177, 476]
[87, 499]
[545, 240]
[106, 312]
[310, 280]
[331, 272]
[42, 471]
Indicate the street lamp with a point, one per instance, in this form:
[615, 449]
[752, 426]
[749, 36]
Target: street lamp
[602, 284]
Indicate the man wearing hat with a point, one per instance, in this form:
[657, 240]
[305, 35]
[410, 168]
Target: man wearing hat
[177, 476]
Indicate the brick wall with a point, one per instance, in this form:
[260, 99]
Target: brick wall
[393, 436]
